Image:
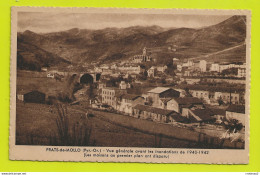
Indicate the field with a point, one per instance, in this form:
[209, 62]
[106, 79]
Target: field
[30, 80]
[36, 125]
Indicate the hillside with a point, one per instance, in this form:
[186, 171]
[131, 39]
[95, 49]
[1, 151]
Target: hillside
[112, 44]
[31, 57]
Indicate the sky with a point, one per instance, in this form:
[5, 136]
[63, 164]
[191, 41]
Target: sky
[45, 22]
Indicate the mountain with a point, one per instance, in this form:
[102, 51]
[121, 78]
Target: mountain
[31, 57]
[113, 44]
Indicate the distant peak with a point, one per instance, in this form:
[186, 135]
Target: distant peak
[28, 32]
[74, 30]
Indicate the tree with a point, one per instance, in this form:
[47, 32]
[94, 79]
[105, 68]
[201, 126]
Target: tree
[187, 92]
[220, 101]
[150, 101]
[90, 92]
[232, 125]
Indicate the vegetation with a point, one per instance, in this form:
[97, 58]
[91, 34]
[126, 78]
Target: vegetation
[77, 134]
[232, 125]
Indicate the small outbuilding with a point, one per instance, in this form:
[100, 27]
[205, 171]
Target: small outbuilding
[31, 96]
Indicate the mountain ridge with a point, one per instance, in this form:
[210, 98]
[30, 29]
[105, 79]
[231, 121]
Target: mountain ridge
[113, 44]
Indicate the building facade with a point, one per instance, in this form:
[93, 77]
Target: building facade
[161, 92]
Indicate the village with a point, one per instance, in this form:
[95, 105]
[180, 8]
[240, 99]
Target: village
[206, 97]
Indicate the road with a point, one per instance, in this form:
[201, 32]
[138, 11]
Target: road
[218, 52]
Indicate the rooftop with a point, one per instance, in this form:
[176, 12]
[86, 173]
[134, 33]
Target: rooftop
[212, 88]
[130, 96]
[154, 110]
[188, 100]
[203, 114]
[236, 108]
[158, 90]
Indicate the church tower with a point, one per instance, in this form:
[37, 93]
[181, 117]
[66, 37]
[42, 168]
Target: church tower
[144, 51]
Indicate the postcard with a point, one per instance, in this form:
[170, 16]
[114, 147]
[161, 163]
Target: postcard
[130, 85]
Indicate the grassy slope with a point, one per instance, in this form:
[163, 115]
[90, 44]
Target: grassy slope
[36, 120]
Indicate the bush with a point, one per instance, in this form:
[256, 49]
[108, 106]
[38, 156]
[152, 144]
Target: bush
[77, 134]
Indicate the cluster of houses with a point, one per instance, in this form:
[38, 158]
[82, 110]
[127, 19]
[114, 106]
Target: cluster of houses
[192, 67]
[213, 95]
[167, 105]
[163, 104]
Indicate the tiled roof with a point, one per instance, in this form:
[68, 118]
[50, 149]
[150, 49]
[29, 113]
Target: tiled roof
[159, 90]
[188, 100]
[130, 96]
[153, 109]
[178, 118]
[203, 114]
[236, 108]
[211, 88]
[22, 92]
[218, 112]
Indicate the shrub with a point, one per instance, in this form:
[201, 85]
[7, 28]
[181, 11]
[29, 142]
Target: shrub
[77, 134]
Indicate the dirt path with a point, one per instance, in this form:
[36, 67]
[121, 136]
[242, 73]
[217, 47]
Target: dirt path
[218, 52]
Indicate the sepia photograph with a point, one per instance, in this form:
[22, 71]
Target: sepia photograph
[130, 78]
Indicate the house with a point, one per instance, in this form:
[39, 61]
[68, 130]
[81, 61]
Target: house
[203, 65]
[31, 96]
[198, 115]
[201, 94]
[236, 112]
[214, 67]
[109, 95]
[177, 104]
[161, 68]
[156, 114]
[128, 101]
[130, 69]
[241, 72]
[218, 114]
[214, 94]
[44, 69]
[151, 72]
[223, 66]
[175, 61]
[50, 75]
[228, 97]
[114, 66]
[179, 67]
[101, 85]
[97, 69]
[107, 72]
[124, 85]
[189, 63]
[196, 66]
[161, 92]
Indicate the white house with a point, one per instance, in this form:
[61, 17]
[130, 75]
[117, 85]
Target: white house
[203, 65]
[151, 71]
[214, 67]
